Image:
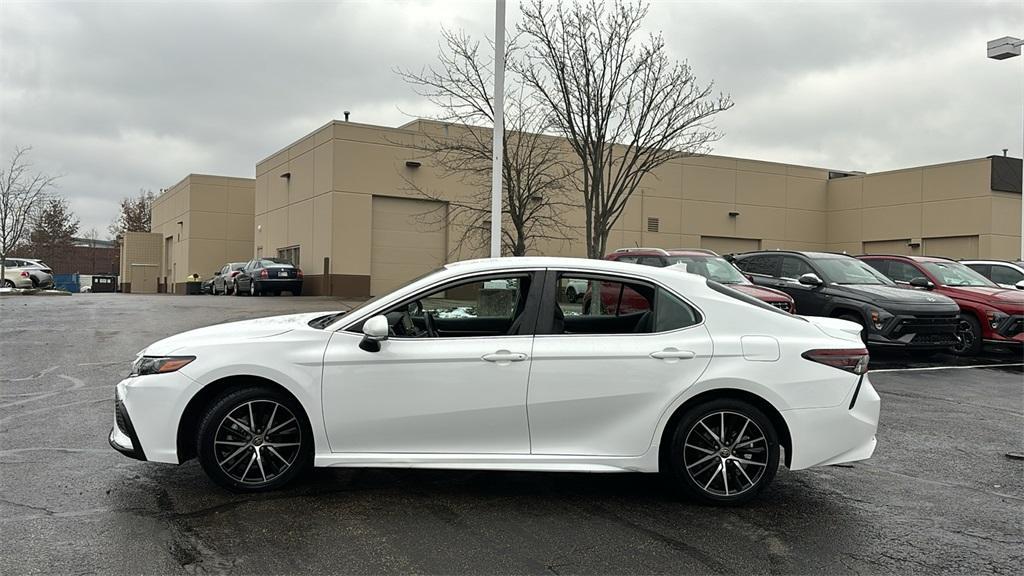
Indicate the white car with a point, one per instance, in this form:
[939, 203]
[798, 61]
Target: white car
[1006, 274]
[702, 383]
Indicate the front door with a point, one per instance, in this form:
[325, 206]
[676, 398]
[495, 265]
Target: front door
[602, 376]
[451, 378]
[809, 300]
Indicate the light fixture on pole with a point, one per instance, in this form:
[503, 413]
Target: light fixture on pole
[499, 126]
[1001, 49]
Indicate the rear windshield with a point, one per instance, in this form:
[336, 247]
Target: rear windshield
[748, 299]
[266, 262]
[711, 267]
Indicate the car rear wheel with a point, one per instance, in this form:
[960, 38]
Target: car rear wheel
[724, 451]
[254, 439]
[968, 336]
[8, 283]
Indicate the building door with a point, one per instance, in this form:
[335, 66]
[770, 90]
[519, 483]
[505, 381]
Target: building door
[955, 247]
[724, 245]
[168, 269]
[403, 246]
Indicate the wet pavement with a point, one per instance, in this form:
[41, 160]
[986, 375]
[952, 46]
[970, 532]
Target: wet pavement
[939, 496]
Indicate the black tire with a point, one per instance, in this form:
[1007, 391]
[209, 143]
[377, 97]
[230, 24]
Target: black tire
[8, 283]
[754, 456]
[857, 320]
[224, 469]
[968, 336]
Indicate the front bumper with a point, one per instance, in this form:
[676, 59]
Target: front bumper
[147, 411]
[918, 332]
[1010, 331]
[842, 433]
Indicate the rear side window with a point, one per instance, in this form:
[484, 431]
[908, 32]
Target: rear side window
[1006, 275]
[763, 264]
[902, 272]
[617, 306]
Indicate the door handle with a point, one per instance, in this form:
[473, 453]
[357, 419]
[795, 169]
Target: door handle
[504, 357]
[673, 354]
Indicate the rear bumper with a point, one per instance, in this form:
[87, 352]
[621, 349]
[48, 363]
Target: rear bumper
[284, 284]
[843, 433]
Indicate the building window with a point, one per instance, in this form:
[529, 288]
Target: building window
[290, 254]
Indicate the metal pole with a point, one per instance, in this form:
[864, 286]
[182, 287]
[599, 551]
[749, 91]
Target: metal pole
[499, 127]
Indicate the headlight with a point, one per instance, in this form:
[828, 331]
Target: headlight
[145, 365]
[995, 318]
[879, 318]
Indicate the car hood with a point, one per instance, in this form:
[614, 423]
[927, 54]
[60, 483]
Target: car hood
[1001, 298]
[895, 295]
[762, 293]
[231, 332]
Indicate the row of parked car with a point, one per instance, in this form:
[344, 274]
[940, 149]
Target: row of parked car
[27, 273]
[918, 303]
[257, 277]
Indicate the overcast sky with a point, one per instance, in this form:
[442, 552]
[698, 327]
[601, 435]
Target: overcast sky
[120, 96]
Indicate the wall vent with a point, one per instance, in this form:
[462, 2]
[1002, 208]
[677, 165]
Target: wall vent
[652, 224]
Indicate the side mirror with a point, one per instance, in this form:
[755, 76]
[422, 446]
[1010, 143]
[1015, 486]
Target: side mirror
[1020, 285]
[922, 282]
[375, 331]
[810, 279]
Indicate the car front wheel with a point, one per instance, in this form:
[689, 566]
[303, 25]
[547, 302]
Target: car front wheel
[724, 451]
[254, 439]
[968, 335]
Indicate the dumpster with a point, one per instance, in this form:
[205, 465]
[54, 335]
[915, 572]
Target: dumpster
[67, 282]
[193, 288]
[104, 284]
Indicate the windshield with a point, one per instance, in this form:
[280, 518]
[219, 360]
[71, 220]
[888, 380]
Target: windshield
[352, 311]
[956, 274]
[850, 271]
[711, 267]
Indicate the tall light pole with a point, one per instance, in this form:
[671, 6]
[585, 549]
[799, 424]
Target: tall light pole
[1001, 49]
[499, 127]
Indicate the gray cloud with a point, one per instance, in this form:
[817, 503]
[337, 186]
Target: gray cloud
[122, 96]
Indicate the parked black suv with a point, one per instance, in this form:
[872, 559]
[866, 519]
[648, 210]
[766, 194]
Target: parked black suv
[841, 286]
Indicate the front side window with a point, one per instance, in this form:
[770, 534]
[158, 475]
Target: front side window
[474, 308]
[956, 274]
[616, 306]
[793, 268]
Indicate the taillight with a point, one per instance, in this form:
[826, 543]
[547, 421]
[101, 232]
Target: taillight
[263, 273]
[853, 360]
[235, 273]
[24, 274]
[298, 272]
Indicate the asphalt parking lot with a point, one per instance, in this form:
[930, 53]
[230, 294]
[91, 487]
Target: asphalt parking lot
[940, 495]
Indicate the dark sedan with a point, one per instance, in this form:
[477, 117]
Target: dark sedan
[268, 276]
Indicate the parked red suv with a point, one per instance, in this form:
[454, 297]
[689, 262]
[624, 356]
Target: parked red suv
[703, 262]
[988, 313]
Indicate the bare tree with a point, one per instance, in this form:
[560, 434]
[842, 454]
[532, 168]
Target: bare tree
[91, 236]
[534, 166]
[22, 192]
[623, 105]
[135, 215]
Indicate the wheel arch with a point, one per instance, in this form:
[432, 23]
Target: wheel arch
[185, 438]
[843, 309]
[765, 406]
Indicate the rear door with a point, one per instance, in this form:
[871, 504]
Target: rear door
[601, 378]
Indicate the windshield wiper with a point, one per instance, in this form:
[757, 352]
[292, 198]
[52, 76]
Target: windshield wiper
[324, 321]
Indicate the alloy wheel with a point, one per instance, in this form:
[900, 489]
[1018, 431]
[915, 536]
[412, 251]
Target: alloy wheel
[257, 442]
[725, 453]
[965, 336]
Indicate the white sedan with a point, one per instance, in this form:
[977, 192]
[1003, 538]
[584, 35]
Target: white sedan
[684, 376]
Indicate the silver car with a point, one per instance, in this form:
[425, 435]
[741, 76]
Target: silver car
[15, 277]
[40, 274]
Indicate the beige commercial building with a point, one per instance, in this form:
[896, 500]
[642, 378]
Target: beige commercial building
[339, 202]
[141, 253]
[203, 222]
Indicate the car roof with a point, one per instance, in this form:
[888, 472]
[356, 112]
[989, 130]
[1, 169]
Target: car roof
[669, 273]
[664, 252]
[907, 257]
[797, 252]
